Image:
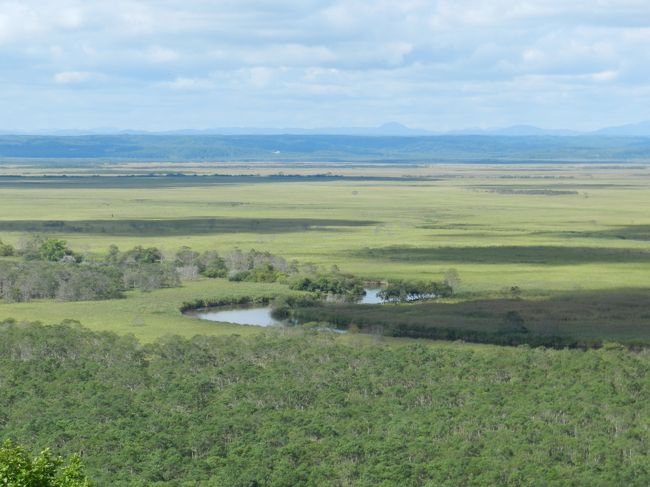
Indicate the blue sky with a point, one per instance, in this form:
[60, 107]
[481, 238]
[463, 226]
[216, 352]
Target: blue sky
[432, 64]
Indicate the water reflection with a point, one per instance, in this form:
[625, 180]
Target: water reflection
[240, 316]
[371, 297]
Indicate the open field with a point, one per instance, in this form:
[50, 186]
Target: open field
[146, 315]
[544, 229]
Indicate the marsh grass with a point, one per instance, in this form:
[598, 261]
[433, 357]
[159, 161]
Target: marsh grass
[414, 230]
[508, 254]
[620, 314]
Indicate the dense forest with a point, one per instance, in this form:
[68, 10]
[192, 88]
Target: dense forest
[297, 408]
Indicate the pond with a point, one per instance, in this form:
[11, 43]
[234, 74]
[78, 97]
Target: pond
[260, 315]
[371, 297]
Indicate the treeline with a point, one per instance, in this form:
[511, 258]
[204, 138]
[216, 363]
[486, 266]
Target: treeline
[296, 408]
[257, 266]
[50, 269]
[24, 281]
[405, 291]
[335, 283]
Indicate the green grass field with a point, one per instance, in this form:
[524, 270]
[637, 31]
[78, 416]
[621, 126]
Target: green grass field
[147, 315]
[545, 229]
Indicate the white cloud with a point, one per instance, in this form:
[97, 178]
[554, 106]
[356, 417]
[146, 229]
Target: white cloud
[609, 75]
[412, 59]
[73, 77]
[190, 84]
[159, 54]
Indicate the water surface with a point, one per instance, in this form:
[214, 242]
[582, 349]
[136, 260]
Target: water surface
[258, 316]
[371, 297]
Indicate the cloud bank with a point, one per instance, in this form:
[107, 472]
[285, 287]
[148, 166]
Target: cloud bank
[433, 64]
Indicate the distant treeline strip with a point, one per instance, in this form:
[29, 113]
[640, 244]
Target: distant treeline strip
[323, 148]
[182, 226]
[179, 180]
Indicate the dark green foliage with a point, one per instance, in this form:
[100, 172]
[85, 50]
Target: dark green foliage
[255, 266]
[54, 250]
[139, 255]
[533, 191]
[38, 247]
[6, 250]
[334, 283]
[283, 306]
[576, 319]
[513, 322]
[19, 469]
[181, 227]
[142, 268]
[406, 291]
[226, 301]
[213, 266]
[302, 410]
[507, 254]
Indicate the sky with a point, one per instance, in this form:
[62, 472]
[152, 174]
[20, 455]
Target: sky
[430, 64]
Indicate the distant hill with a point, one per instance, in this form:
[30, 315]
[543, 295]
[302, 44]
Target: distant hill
[516, 131]
[387, 129]
[390, 129]
[641, 129]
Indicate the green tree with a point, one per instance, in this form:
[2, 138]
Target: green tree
[18, 469]
[54, 250]
[6, 250]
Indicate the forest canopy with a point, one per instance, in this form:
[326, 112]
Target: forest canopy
[304, 408]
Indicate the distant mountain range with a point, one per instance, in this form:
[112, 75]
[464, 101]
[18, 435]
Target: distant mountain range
[391, 129]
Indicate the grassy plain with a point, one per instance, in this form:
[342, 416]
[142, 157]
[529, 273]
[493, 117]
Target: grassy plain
[147, 315]
[545, 229]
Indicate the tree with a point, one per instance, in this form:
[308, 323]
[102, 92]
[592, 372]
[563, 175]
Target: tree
[211, 265]
[29, 246]
[6, 250]
[54, 250]
[452, 279]
[18, 469]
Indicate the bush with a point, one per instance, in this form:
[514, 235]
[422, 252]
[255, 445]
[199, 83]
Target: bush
[45, 470]
[338, 284]
[6, 250]
[54, 250]
[405, 291]
[211, 265]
